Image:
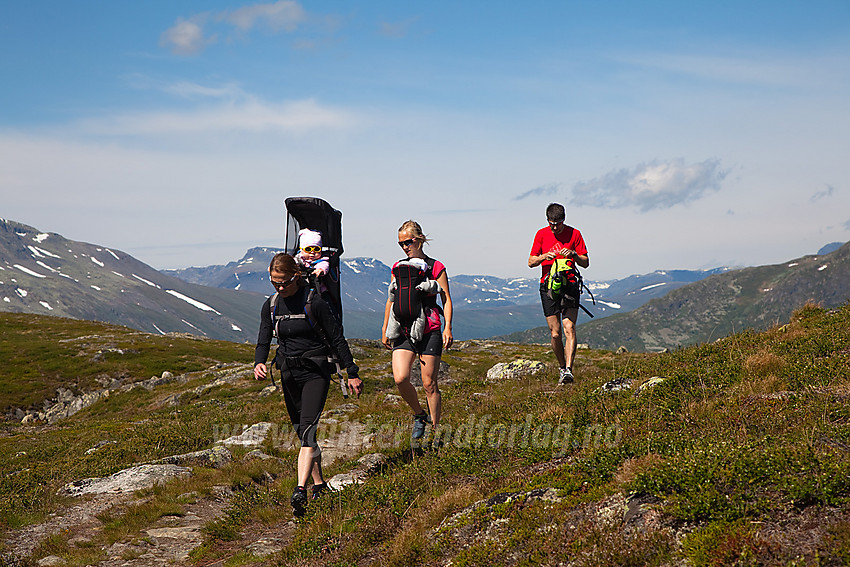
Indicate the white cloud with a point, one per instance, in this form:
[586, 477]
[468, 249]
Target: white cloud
[189, 36]
[770, 70]
[186, 37]
[654, 185]
[282, 15]
[186, 89]
[293, 117]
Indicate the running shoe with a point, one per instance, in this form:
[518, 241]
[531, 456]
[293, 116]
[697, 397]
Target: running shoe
[419, 422]
[299, 501]
[565, 377]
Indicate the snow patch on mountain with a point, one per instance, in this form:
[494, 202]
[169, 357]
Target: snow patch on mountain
[150, 283]
[28, 271]
[46, 267]
[190, 301]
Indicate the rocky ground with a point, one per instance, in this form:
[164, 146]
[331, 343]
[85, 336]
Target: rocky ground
[173, 537]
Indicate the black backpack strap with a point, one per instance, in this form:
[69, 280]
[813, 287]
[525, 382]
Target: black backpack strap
[317, 326]
[581, 287]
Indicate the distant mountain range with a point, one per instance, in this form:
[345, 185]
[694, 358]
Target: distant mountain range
[724, 303]
[484, 305]
[46, 273]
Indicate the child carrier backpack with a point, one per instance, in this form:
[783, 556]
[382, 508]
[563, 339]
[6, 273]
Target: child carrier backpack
[564, 283]
[408, 300]
[317, 214]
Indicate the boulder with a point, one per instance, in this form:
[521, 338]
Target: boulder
[616, 385]
[367, 466]
[252, 436]
[651, 383]
[520, 368]
[127, 480]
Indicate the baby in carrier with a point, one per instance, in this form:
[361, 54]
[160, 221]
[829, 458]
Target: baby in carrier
[309, 254]
[409, 286]
[309, 257]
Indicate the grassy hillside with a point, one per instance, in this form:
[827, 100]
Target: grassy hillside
[734, 452]
[42, 353]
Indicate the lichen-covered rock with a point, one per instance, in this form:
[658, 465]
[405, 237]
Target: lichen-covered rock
[520, 368]
[252, 436]
[651, 383]
[127, 480]
[367, 466]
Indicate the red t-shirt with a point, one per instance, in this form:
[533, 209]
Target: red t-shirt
[545, 240]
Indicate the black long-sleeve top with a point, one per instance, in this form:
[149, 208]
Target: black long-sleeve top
[296, 336]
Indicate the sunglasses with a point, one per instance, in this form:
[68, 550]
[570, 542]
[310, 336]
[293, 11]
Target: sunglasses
[408, 242]
[312, 249]
[283, 284]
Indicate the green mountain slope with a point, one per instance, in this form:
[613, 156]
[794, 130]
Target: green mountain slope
[735, 452]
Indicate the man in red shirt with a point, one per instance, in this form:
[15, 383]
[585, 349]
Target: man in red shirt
[559, 241]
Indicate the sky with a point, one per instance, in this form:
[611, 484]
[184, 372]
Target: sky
[678, 135]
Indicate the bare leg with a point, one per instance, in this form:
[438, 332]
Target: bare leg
[402, 361]
[309, 464]
[430, 370]
[554, 323]
[570, 316]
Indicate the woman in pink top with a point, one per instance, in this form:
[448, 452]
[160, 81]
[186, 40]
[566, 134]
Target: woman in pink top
[430, 348]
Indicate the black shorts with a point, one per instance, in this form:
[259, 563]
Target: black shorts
[552, 307]
[431, 344]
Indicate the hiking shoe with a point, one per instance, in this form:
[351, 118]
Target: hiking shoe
[319, 489]
[419, 422]
[299, 501]
[565, 377]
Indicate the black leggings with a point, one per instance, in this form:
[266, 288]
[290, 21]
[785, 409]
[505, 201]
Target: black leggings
[305, 401]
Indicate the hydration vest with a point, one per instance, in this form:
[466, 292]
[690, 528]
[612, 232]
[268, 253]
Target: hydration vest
[564, 282]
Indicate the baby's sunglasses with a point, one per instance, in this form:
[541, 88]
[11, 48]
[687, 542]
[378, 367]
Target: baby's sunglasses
[311, 249]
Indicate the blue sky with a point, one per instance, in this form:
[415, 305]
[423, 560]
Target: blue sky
[677, 134]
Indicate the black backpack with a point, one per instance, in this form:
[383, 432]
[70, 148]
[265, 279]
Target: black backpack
[325, 357]
[408, 300]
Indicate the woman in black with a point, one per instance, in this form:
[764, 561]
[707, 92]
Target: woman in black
[304, 345]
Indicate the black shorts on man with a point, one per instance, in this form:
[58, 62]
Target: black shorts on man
[570, 300]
